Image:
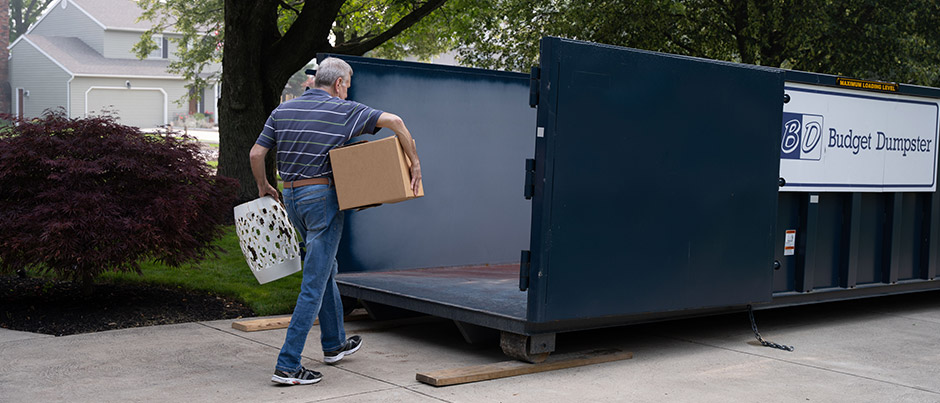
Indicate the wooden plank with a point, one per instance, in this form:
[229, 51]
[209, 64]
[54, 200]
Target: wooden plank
[456, 376]
[281, 322]
[255, 325]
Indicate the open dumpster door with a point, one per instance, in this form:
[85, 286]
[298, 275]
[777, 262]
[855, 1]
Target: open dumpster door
[654, 183]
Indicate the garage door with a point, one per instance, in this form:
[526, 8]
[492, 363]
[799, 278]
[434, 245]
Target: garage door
[133, 107]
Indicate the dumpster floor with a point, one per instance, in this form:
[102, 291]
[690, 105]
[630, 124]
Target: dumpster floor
[485, 295]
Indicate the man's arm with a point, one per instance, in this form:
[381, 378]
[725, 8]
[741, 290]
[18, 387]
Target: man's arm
[393, 122]
[256, 156]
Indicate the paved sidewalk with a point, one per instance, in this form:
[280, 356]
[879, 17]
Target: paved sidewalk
[204, 135]
[880, 350]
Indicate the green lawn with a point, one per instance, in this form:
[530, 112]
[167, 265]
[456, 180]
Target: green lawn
[228, 274]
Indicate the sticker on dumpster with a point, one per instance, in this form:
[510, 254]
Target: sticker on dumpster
[841, 140]
[789, 243]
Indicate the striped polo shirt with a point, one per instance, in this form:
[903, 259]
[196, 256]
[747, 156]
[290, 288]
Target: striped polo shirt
[305, 129]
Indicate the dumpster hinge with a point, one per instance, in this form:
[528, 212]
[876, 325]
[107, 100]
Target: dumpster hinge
[529, 178]
[524, 265]
[534, 87]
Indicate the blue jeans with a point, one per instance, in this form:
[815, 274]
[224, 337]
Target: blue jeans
[314, 211]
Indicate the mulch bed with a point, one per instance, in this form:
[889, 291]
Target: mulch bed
[61, 308]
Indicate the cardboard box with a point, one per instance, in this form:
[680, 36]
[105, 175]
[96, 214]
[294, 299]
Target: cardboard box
[372, 173]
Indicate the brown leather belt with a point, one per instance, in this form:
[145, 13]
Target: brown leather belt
[306, 182]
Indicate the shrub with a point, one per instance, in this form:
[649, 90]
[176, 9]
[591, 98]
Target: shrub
[84, 196]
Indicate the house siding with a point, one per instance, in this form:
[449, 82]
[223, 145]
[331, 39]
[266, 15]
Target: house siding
[70, 21]
[46, 82]
[175, 90]
[120, 45]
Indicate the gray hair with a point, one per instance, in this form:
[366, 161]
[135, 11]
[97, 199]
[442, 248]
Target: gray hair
[331, 69]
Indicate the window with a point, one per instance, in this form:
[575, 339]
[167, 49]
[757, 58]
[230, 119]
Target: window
[161, 46]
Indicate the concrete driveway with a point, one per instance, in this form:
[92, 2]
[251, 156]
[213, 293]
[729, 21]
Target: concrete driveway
[876, 350]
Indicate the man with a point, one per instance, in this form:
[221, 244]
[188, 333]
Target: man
[304, 130]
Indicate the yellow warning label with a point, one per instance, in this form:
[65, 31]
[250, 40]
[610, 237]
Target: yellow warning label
[867, 85]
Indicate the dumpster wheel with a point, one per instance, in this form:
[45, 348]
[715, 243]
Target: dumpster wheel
[522, 347]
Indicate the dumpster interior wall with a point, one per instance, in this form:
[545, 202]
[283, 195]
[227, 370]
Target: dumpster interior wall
[473, 130]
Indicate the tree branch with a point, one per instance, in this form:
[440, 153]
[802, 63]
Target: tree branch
[289, 7]
[360, 47]
[339, 35]
[307, 36]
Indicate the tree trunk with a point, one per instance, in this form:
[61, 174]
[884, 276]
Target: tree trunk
[739, 25]
[244, 105]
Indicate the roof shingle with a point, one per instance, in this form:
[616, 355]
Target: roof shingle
[81, 59]
[115, 14]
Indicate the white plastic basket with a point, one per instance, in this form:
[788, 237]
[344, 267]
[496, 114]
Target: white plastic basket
[267, 238]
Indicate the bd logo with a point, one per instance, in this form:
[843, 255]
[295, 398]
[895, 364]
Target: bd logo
[801, 136]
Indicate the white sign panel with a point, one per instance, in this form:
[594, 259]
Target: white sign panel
[838, 140]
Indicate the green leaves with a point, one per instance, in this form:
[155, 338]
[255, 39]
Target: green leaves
[885, 40]
[196, 30]
[199, 28]
[433, 35]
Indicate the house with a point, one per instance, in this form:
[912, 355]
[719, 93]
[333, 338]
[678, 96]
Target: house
[78, 56]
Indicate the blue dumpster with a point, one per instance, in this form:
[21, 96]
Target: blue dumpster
[639, 186]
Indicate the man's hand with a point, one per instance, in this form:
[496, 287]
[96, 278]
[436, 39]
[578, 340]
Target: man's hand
[267, 190]
[415, 177]
[256, 158]
[395, 123]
